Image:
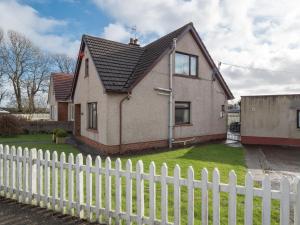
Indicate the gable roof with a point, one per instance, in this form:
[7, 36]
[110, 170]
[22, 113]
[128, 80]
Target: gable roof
[62, 86]
[121, 66]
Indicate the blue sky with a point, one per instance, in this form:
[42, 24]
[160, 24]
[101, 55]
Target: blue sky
[251, 33]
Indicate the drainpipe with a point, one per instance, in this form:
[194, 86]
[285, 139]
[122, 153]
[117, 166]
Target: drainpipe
[171, 94]
[127, 97]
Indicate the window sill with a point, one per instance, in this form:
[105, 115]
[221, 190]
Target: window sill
[184, 125]
[187, 76]
[92, 130]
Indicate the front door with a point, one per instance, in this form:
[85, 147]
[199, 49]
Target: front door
[77, 124]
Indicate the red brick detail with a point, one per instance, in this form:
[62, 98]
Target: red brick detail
[62, 111]
[253, 140]
[131, 147]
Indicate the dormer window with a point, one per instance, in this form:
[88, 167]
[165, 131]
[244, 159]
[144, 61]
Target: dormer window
[186, 64]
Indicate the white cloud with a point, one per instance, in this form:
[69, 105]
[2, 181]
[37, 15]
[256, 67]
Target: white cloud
[26, 20]
[116, 32]
[255, 33]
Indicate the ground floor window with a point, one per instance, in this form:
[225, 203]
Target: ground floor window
[71, 111]
[92, 115]
[182, 113]
[52, 112]
[298, 118]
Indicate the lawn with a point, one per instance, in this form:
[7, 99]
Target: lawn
[209, 156]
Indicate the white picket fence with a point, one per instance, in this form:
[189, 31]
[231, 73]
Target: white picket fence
[86, 190]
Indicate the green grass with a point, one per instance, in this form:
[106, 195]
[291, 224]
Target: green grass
[38, 141]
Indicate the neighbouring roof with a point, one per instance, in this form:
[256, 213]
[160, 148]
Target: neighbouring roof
[121, 66]
[2, 111]
[62, 86]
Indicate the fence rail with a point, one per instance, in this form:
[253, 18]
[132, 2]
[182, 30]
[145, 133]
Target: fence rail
[73, 187]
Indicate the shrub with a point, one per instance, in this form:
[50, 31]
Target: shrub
[10, 125]
[56, 130]
[61, 133]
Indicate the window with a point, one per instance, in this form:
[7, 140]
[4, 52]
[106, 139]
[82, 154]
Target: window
[71, 112]
[298, 118]
[186, 64]
[92, 115]
[182, 112]
[86, 67]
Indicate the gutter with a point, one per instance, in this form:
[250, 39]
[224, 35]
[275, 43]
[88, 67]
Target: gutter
[127, 97]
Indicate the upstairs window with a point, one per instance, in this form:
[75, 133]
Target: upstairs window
[186, 64]
[86, 67]
[298, 118]
[92, 115]
[182, 113]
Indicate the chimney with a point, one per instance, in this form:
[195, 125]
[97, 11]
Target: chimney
[133, 42]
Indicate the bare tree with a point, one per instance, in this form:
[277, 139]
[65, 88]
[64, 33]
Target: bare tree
[64, 63]
[3, 91]
[37, 80]
[17, 56]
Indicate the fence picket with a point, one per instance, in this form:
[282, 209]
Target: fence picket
[79, 185]
[266, 204]
[285, 201]
[128, 191]
[164, 194]
[107, 189]
[62, 192]
[232, 199]
[70, 183]
[216, 197]
[12, 171]
[204, 196]
[18, 172]
[98, 183]
[248, 213]
[6, 169]
[88, 179]
[139, 191]
[47, 179]
[190, 183]
[1, 167]
[54, 176]
[118, 167]
[25, 175]
[39, 171]
[177, 195]
[297, 202]
[32, 174]
[152, 193]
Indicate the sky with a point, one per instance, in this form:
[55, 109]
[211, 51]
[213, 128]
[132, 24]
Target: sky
[261, 38]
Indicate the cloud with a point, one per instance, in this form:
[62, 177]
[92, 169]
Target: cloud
[116, 32]
[41, 30]
[254, 33]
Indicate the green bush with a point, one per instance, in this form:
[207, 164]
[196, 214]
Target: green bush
[56, 130]
[10, 125]
[61, 133]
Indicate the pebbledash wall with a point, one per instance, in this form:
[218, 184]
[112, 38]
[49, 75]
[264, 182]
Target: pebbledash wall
[270, 120]
[145, 115]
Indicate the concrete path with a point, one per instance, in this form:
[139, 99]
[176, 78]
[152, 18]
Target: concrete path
[12, 212]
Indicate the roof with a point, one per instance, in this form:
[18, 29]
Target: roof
[270, 95]
[2, 111]
[62, 86]
[121, 66]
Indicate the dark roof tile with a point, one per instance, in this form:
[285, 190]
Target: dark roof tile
[62, 85]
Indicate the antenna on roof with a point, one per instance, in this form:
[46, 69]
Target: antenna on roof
[133, 31]
[133, 41]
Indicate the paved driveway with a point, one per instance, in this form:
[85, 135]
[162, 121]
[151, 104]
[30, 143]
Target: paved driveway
[275, 161]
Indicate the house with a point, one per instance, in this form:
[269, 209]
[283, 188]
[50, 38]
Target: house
[270, 120]
[129, 97]
[3, 112]
[59, 97]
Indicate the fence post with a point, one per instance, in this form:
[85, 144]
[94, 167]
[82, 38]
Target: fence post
[32, 174]
[248, 199]
[118, 167]
[1, 167]
[297, 202]
[204, 196]
[70, 183]
[47, 179]
[25, 175]
[12, 171]
[98, 180]
[139, 192]
[18, 173]
[62, 182]
[88, 179]
[152, 194]
[107, 189]
[164, 194]
[128, 191]
[79, 185]
[54, 180]
[39, 171]
[190, 184]
[284, 201]
[216, 197]
[266, 211]
[232, 199]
